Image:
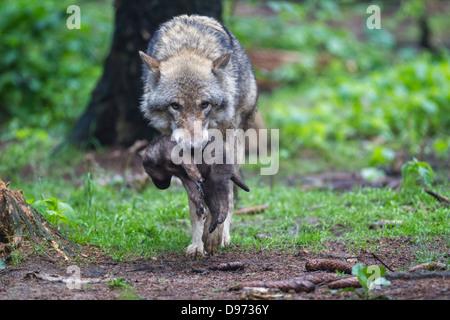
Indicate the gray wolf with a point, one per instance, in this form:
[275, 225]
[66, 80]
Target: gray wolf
[196, 71]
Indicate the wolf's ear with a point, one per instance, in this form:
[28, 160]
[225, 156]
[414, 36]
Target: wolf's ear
[151, 63]
[222, 62]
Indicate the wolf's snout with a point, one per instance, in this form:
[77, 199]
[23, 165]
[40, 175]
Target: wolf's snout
[196, 144]
[195, 137]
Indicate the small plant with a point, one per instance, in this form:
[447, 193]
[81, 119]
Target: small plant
[118, 283]
[2, 264]
[369, 277]
[416, 172]
[16, 255]
[89, 186]
[340, 273]
[52, 209]
[126, 290]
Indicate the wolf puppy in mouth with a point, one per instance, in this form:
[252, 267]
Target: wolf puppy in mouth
[196, 71]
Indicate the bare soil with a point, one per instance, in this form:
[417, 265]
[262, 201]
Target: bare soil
[177, 277]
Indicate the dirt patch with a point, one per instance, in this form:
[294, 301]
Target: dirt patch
[175, 277]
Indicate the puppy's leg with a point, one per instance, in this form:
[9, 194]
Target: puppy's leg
[192, 171]
[194, 194]
[197, 225]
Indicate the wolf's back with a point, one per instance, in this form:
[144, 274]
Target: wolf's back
[197, 34]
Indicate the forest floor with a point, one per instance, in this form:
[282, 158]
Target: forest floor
[43, 275]
[177, 277]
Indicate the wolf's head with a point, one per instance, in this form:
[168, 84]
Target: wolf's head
[184, 96]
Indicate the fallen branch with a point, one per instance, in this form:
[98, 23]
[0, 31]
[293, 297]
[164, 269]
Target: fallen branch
[254, 209]
[384, 264]
[443, 200]
[328, 265]
[417, 275]
[353, 282]
[66, 280]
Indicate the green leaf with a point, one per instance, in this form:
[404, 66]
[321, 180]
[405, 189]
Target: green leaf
[418, 171]
[358, 271]
[370, 276]
[62, 218]
[51, 208]
[2, 264]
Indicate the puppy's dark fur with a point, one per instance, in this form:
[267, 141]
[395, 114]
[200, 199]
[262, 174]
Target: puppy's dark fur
[208, 182]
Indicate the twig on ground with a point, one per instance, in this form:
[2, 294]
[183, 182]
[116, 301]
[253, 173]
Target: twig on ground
[384, 264]
[53, 278]
[417, 275]
[255, 293]
[201, 271]
[254, 209]
[443, 200]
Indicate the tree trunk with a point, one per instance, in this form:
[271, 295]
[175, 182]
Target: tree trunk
[112, 115]
[425, 33]
[20, 223]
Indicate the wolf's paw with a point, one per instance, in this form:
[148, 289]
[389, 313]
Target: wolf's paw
[226, 239]
[213, 242]
[195, 250]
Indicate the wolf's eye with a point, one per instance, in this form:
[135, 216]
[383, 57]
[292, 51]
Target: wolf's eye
[204, 105]
[175, 106]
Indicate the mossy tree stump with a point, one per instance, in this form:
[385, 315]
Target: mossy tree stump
[20, 223]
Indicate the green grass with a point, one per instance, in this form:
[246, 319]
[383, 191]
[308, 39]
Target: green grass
[126, 223]
[290, 209]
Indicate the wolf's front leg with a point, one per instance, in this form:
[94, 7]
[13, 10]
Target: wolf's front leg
[212, 240]
[197, 225]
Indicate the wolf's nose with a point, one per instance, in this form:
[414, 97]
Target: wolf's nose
[195, 145]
